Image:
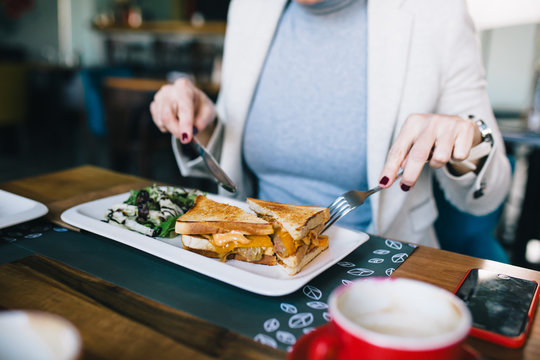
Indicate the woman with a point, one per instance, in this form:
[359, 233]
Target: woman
[322, 96]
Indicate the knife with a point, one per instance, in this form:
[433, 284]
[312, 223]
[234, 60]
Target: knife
[217, 172]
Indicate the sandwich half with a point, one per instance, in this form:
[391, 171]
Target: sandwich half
[297, 239]
[226, 232]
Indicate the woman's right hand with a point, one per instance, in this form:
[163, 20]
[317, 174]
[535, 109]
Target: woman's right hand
[179, 107]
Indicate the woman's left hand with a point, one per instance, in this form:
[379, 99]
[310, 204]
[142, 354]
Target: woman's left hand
[432, 138]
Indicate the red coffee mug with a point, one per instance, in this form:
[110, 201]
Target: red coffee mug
[392, 319]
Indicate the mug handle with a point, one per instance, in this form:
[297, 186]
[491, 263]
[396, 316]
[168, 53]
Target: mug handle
[324, 347]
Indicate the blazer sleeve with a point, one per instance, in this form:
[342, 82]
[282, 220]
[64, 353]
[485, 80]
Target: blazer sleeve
[464, 92]
[195, 167]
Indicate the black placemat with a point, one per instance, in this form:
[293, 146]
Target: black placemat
[10, 252]
[275, 321]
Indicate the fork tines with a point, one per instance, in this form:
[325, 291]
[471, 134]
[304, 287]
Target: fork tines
[339, 208]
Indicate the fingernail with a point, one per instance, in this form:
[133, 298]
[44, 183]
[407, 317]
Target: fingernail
[184, 137]
[405, 187]
[384, 180]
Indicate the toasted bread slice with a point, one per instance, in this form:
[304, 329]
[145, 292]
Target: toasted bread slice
[202, 246]
[211, 217]
[296, 231]
[304, 255]
[298, 220]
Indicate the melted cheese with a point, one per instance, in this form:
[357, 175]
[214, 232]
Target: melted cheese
[322, 240]
[287, 239]
[223, 239]
[312, 238]
[227, 242]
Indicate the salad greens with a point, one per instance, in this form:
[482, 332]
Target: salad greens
[153, 210]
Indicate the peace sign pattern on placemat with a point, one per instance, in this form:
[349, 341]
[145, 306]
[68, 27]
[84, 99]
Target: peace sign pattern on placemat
[274, 321]
[301, 312]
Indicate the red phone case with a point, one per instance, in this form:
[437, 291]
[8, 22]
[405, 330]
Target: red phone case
[512, 342]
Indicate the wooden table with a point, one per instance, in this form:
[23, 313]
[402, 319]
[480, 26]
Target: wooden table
[116, 323]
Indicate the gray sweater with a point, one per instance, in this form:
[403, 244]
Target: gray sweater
[305, 136]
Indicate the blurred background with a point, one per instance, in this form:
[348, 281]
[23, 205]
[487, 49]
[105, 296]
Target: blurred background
[77, 77]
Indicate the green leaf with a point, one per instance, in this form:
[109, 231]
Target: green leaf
[167, 227]
[132, 200]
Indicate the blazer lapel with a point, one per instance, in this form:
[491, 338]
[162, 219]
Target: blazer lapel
[389, 32]
[253, 33]
[248, 40]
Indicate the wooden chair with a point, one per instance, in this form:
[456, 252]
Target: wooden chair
[14, 102]
[131, 134]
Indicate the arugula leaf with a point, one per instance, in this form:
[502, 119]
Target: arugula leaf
[184, 199]
[132, 200]
[167, 227]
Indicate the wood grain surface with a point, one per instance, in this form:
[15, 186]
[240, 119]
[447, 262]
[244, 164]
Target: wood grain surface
[62, 190]
[446, 269]
[116, 323]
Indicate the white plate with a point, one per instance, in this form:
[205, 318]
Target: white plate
[15, 209]
[260, 279]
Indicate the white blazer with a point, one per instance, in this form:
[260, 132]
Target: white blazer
[423, 57]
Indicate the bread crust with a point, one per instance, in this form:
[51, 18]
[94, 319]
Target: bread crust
[211, 217]
[294, 264]
[217, 227]
[266, 259]
[298, 220]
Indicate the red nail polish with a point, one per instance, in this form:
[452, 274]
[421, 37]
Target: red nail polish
[405, 187]
[184, 136]
[384, 180]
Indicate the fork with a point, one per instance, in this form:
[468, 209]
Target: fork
[349, 201]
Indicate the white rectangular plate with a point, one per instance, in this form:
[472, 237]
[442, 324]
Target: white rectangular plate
[260, 279]
[15, 209]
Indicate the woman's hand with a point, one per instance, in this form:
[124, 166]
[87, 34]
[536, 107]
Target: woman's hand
[178, 108]
[431, 138]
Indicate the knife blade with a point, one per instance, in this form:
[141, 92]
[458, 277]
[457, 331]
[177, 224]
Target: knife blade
[217, 172]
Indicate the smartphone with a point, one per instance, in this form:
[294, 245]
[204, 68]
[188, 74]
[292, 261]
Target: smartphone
[502, 306]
